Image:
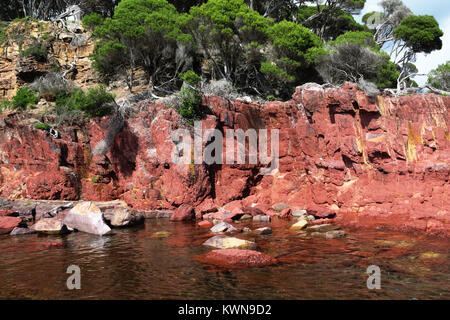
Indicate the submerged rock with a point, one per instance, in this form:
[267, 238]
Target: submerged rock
[50, 226]
[322, 228]
[22, 231]
[236, 258]
[224, 242]
[329, 234]
[161, 234]
[87, 217]
[263, 231]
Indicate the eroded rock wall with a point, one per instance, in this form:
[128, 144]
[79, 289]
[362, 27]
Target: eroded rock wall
[379, 162]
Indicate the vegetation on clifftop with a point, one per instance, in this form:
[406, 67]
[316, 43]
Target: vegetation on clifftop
[263, 48]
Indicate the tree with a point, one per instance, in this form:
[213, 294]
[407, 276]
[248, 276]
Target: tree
[355, 56]
[48, 9]
[230, 36]
[329, 14]
[294, 49]
[404, 34]
[328, 26]
[102, 7]
[185, 5]
[439, 78]
[142, 33]
[278, 10]
[414, 34]
[384, 23]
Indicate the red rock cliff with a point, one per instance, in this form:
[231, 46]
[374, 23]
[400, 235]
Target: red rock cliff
[378, 162]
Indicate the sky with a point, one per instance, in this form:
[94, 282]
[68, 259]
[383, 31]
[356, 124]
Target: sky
[440, 9]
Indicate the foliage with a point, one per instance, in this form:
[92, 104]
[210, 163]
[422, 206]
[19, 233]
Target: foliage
[3, 33]
[23, 98]
[420, 33]
[141, 33]
[92, 20]
[359, 37]
[229, 34]
[108, 56]
[439, 78]
[330, 23]
[52, 84]
[191, 78]
[42, 126]
[5, 104]
[37, 49]
[189, 104]
[95, 103]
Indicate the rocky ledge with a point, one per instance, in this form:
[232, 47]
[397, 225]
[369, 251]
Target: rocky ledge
[376, 162]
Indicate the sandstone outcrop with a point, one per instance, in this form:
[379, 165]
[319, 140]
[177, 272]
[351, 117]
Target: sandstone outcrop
[380, 162]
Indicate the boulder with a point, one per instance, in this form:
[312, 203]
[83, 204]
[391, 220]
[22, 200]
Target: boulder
[224, 242]
[184, 212]
[301, 224]
[223, 227]
[236, 258]
[205, 224]
[124, 218]
[299, 213]
[21, 231]
[7, 224]
[50, 226]
[87, 217]
[261, 218]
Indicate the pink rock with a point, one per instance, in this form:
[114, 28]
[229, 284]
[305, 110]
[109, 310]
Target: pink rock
[285, 213]
[184, 212]
[236, 258]
[205, 224]
[7, 224]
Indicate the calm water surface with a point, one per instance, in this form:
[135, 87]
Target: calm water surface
[134, 264]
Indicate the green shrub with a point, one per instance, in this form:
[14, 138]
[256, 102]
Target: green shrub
[191, 78]
[23, 98]
[189, 105]
[38, 50]
[94, 103]
[42, 126]
[3, 33]
[5, 104]
[92, 20]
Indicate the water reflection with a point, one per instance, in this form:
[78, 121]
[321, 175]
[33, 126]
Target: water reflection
[134, 264]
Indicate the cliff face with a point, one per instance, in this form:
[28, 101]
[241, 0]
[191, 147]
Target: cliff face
[376, 162]
[66, 52]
